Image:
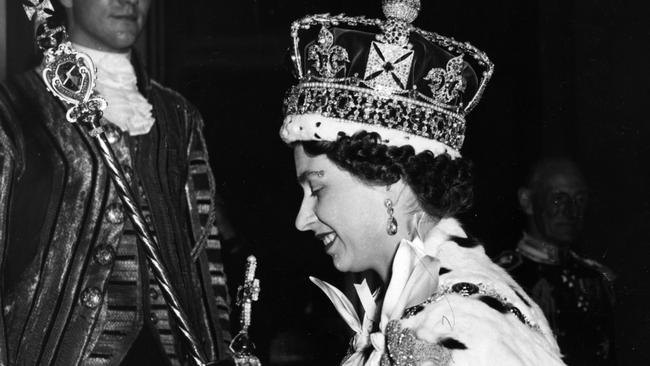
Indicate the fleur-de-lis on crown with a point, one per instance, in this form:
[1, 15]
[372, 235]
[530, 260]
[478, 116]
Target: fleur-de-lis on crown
[327, 58]
[447, 84]
[43, 9]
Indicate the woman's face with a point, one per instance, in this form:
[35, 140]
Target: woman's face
[345, 214]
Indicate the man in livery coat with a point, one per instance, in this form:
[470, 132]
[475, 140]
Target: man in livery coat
[76, 287]
[575, 293]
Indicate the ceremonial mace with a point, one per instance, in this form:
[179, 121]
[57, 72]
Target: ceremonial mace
[70, 76]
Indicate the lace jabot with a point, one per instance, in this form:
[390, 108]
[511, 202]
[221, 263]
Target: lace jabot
[118, 85]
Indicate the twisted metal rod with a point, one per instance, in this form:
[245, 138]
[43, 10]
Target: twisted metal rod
[151, 249]
[86, 110]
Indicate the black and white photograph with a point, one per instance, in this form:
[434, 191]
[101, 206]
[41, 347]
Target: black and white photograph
[324, 182]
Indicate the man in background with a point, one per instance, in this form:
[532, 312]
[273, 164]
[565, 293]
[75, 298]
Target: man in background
[575, 293]
[75, 285]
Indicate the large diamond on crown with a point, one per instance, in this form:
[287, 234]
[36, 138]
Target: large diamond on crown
[388, 67]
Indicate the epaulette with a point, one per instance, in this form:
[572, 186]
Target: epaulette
[605, 271]
[508, 260]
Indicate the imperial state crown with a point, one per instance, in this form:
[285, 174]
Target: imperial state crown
[384, 75]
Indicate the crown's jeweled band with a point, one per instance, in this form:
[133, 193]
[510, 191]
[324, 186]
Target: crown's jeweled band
[449, 43]
[383, 94]
[366, 106]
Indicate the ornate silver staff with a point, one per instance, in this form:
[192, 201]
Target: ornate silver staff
[241, 346]
[70, 76]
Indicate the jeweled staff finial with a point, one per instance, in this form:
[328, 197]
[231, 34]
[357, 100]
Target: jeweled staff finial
[241, 346]
[41, 9]
[249, 292]
[402, 10]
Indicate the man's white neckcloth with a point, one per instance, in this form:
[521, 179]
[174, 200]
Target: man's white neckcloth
[118, 85]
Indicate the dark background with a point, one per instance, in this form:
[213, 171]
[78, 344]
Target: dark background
[571, 78]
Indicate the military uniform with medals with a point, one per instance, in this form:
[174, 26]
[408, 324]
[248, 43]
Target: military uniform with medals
[575, 293]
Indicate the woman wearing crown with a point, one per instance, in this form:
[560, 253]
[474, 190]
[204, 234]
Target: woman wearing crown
[376, 122]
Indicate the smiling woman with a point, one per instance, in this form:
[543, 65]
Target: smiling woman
[347, 216]
[391, 176]
[376, 123]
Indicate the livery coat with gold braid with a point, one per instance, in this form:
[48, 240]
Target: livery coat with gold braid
[63, 234]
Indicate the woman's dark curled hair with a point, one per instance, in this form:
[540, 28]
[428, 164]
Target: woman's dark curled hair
[442, 185]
